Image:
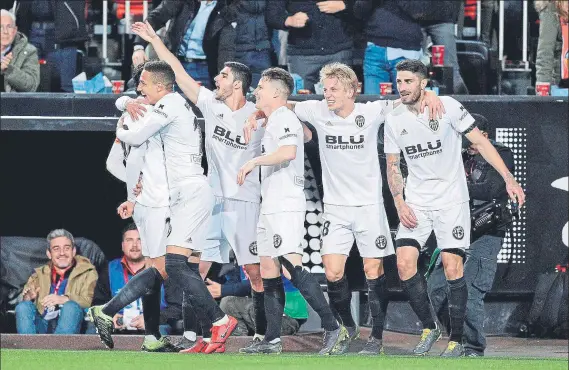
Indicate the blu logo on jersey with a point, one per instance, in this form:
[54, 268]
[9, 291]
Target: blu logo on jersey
[226, 134]
[331, 139]
[421, 148]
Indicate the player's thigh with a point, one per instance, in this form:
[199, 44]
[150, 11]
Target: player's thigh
[215, 221]
[286, 230]
[139, 218]
[190, 215]
[239, 228]
[153, 225]
[336, 235]
[417, 236]
[373, 236]
[452, 227]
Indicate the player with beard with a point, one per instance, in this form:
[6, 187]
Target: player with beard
[353, 202]
[280, 230]
[236, 210]
[436, 196]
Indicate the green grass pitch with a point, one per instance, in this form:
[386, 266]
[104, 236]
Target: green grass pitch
[11, 359]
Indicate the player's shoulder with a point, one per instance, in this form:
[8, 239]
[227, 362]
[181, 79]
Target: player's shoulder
[313, 105]
[374, 105]
[249, 108]
[397, 113]
[450, 102]
[283, 117]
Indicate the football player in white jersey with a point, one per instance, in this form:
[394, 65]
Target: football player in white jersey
[436, 196]
[191, 198]
[151, 216]
[353, 201]
[236, 210]
[280, 230]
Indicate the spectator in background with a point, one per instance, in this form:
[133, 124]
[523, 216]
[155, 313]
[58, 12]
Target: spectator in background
[20, 69]
[245, 38]
[118, 272]
[192, 37]
[438, 22]
[318, 33]
[237, 302]
[392, 36]
[58, 30]
[57, 293]
[547, 66]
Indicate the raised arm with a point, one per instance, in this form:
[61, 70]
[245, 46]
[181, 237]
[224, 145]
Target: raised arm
[186, 83]
[115, 161]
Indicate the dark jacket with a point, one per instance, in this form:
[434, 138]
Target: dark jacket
[69, 20]
[388, 25]
[252, 32]
[180, 13]
[324, 34]
[484, 182]
[23, 72]
[423, 11]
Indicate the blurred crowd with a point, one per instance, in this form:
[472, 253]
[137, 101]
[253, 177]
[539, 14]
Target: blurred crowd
[46, 43]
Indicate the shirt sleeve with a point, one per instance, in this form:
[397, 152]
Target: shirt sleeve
[134, 164]
[460, 119]
[288, 133]
[115, 161]
[155, 120]
[390, 143]
[305, 110]
[380, 109]
[205, 97]
[121, 102]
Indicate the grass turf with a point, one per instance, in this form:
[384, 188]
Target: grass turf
[12, 359]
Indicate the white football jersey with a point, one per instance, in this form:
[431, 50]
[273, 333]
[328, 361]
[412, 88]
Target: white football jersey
[432, 150]
[145, 163]
[226, 149]
[172, 116]
[282, 186]
[348, 150]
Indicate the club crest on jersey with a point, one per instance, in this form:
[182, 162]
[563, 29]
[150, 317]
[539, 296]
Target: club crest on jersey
[458, 233]
[434, 125]
[277, 240]
[253, 248]
[381, 242]
[360, 121]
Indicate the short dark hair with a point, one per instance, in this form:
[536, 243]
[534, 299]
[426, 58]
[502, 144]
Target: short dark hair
[481, 122]
[241, 73]
[162, 73]
[280, 75]
[136, 72]
[129, 227]
[414, 66]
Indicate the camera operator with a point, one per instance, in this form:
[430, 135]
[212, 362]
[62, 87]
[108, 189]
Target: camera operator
[490, 216]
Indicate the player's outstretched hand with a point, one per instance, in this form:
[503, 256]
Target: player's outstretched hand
[406, 215]
[515, 192]
[144, 30]
[244, 171]
[434, 104]
[125, 210]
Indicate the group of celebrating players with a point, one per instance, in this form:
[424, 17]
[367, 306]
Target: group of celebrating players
[253, 200]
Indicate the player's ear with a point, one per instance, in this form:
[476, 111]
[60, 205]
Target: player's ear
[237, 85]
[424, 82]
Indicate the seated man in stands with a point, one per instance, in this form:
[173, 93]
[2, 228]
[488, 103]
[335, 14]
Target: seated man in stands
[20, 70]
[118, 272]
[236, 301]
[56, 294]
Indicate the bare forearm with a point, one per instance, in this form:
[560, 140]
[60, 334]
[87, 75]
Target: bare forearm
[281, 155]
[394, 177]
[491, 155]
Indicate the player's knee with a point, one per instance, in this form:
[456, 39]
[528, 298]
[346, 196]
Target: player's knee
[406, 268]
[373, 269]
[334, 274]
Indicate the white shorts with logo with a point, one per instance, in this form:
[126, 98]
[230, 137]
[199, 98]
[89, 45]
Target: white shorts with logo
[190, 214]
[451, 227]
[367, 225]
[281, 233]
[233, 226]
[153, 224]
